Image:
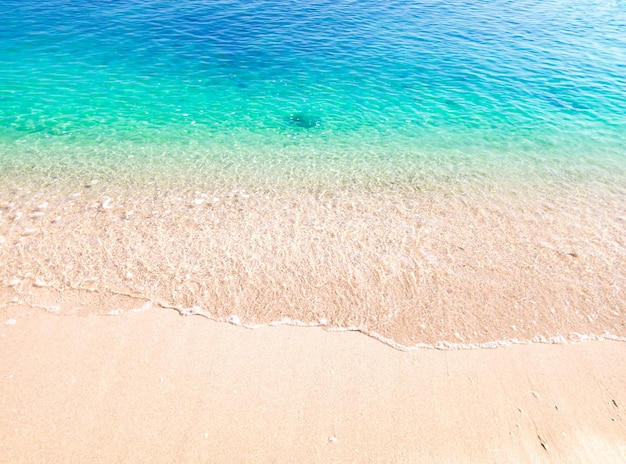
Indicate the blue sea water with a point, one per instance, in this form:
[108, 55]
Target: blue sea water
[412, 84]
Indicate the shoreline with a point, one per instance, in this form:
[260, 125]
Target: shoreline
[453, 266]
[157, 387]
[126, 305]
[463, 267]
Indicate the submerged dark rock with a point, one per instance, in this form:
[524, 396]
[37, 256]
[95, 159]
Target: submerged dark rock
[304, 120]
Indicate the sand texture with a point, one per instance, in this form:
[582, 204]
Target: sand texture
[157, 387]
[459, 263]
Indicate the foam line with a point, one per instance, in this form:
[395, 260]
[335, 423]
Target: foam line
[440, 345]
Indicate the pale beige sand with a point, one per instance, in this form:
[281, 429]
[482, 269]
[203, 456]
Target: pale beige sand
[156, 387]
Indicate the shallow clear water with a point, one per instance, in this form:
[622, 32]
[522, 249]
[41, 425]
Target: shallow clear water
[421, 84]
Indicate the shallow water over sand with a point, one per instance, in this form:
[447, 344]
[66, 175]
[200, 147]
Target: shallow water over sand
[456, 264]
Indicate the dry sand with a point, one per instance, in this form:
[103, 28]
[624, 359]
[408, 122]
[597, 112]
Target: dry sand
[157, 387]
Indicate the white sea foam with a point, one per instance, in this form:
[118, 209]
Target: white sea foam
[440, 345]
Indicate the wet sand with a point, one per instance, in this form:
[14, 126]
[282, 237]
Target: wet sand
[157, 387]
[462, 263]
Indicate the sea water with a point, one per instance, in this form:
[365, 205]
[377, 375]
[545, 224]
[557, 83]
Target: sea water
[333, 115]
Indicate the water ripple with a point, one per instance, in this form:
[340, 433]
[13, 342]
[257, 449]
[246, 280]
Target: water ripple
[491, 74]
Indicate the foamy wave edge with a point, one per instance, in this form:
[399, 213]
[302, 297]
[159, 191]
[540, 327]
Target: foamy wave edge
[441, 345]
[235, 320]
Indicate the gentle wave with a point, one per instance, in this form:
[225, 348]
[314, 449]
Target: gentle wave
[439, 345]
[414, 263]
[412, 170]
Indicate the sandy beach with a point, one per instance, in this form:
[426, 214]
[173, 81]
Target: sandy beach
[98, 363]
[157, 387]
[251, 231]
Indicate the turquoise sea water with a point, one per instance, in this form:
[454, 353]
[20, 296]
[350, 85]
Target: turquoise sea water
[426, 84]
